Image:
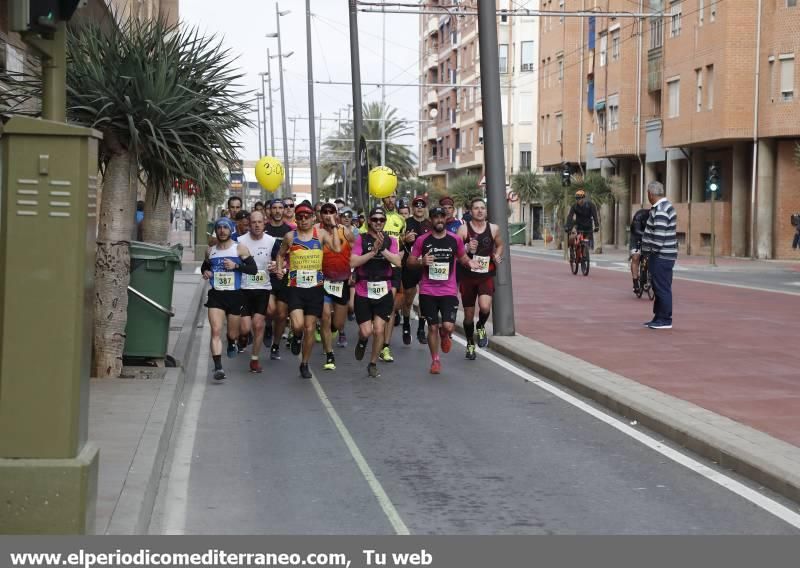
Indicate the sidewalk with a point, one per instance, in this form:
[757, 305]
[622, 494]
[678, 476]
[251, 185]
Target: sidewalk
[130, 419]
[731, 351]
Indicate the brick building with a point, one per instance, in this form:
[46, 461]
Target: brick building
[666, 98]
[451, 143]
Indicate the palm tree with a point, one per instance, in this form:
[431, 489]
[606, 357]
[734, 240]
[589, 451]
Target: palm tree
[410, 188]
[527, 186]
[464, 189]
[398, 156]
[163, 97]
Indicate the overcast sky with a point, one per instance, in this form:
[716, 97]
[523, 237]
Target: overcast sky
[244, 23]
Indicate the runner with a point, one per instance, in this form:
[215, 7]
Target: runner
[224, 265]
[306, 295]
[336, 268]
[256, 288]
[452, 223]
[374, 253]
[395, 227]
[348, 219]
[288, 212]
[403, 208]
[234, 207]
[485, 246]
[416, 226]
[278, 301]
[437, 253]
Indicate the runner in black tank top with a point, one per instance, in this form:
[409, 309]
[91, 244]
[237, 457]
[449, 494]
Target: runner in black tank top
[484, 245]
[416, 226]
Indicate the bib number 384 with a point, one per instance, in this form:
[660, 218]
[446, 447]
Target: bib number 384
[306, 278]
[224, 281]
[439, 271]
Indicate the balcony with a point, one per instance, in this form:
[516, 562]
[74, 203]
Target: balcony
[431, 98]
[432, 25]
[431, 59]
[655, 69]
[430, 133]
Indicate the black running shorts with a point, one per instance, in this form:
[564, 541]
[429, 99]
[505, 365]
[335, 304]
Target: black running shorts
[366, 309]
[230, 301]
[255, 302]
[309, 300]
[431, 307]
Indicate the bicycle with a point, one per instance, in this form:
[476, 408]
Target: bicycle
[579, 254]
[645, 280]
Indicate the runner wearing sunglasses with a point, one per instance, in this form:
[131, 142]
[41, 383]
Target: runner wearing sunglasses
[416, 226]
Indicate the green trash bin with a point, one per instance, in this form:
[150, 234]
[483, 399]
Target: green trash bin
[516, 233]
[150, 299]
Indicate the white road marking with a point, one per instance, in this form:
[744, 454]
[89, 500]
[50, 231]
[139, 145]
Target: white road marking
[177, 494]
[377, 489]
[771, 506]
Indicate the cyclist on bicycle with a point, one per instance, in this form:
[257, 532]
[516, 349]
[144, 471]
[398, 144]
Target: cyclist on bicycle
[638, 224]
[583, 212]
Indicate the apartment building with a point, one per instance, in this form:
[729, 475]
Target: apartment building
[451, 138]
[668, 96]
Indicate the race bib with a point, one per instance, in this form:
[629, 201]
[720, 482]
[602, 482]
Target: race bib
[483, 261]
[306, 278]
[257, 280]
[439, 271]
[334, 288]
[377, 290]
[224, 281]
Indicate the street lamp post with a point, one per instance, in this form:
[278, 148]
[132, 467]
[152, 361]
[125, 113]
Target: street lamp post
[503, 316]
[264, 109]
[258, 112]
[278, 15]
[311, 133]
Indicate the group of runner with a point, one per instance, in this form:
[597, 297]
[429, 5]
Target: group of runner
[315, 266]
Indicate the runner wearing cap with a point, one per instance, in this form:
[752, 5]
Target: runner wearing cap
[306, 295]
[403, 208]
[223, 267]
[484, 245]
[336, 268]
[374, 253]
[436, 253]
[416, 226]
[452, 224]
[279, 299]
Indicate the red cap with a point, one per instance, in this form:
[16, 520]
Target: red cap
[420, 198]
[444, 200]
[303, 207]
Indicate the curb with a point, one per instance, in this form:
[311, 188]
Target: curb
[134, 508]
[762, 458]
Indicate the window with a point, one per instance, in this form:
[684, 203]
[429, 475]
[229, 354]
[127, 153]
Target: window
[615, 45]
[603, 49]
[701, 11]
[560, 68]
[547, 129]
[698, 89]
[787, 77]
[525, 160]
[675, 18]
[503, 52]
[613, 112]
[527, 56]
[15, 60]
[791, 3]
[656, 33]
[480, 135]
[469, 138]
[525, 112]
[504, 109]
[601, 119]
[559, 127]
[462, 140]
[712, 15]
[674, 94]
[709, 87]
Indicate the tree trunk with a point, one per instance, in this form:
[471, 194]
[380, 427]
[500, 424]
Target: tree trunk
[156, 224]
[112, 265]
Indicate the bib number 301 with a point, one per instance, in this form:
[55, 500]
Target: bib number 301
[224, 281]
[377, 290]
[439, 271]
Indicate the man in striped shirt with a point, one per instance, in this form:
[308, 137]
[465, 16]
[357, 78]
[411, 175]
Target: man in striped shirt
[660, 242]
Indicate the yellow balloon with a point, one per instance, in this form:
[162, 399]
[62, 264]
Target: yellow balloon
[269, 173]
[382, 182]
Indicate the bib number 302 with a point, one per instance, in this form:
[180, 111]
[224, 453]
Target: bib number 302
[439, 271]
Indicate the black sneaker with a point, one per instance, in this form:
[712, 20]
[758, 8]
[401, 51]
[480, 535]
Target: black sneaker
[330, 362]
[305, 372]
[372, 371]
[422, 337]
[361, 348]
[396, 319]
[219, 375]
[268, 334]
[406, 333]
[275, 353]
[295, 345]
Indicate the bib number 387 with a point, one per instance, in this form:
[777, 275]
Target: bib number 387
[224, 281]
[439, 271]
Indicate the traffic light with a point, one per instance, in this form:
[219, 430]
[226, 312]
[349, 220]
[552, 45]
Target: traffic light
[714, 181]
[566, 176]
[40, 16]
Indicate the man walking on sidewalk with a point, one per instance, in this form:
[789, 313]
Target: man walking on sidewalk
[660, 242]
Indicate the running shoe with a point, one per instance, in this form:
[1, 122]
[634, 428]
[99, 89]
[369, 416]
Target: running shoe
[342, 341]
[288, 337]
[295, 345]
[317, 336]
[275, 353]
[471, 355]
[219, 375]
[351, 316]
[483, 339]
[436, 367]
[447, 343]
[330, 362]
[406, 333]
[232, 350]
[372, 371]
[361, 348]
[255, 366]
[242, 344]
[305, 372]
[386, 355]
[422, 337]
